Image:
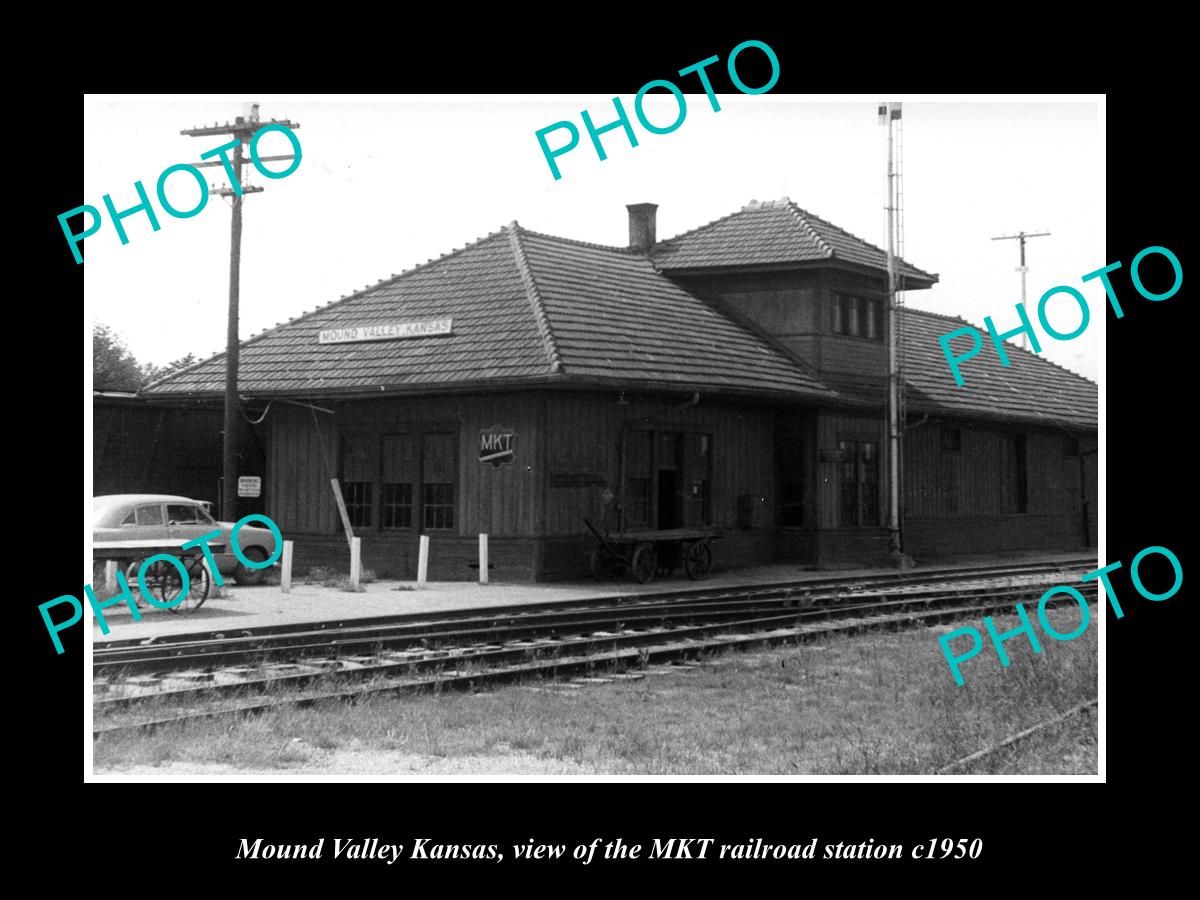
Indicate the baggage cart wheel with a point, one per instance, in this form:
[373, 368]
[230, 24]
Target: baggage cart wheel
[645, 563]
[697, 560]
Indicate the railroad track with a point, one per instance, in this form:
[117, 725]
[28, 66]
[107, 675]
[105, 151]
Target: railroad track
[203, 679]
[825, 584]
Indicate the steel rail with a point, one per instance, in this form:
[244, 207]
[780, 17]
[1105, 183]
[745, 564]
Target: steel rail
[506, 663]
[354, 638]
[912, 577]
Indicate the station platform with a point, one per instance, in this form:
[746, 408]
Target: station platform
[247, 608]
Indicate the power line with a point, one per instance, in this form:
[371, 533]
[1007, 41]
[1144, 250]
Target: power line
[242, 129]
[1022, 236]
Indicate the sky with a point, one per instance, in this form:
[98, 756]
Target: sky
[387, 183]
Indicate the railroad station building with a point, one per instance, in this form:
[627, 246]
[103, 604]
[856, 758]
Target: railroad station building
[733, 376]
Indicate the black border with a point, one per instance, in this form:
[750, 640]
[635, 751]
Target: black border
[171, 829]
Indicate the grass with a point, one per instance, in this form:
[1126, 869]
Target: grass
[873, 704]
[329, 578]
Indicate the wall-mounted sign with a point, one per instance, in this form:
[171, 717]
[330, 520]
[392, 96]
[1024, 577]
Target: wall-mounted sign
[249, 486]
[577, 479]
[392, 332]
[497, 446]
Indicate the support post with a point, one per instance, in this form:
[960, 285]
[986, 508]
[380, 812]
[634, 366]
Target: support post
[216, 591]
[423, 561]
[285, 567]
[483, 559]
[110, 576]
[341, 505]
[355, 562]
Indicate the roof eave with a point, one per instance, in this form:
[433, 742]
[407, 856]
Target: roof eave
[911, 282]
[565, 381]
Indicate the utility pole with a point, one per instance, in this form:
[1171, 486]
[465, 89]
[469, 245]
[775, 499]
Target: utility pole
[1022, 236]
[241, 130]
[888, 113]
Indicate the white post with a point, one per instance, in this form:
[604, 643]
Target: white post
[110, 576]
[285, 567]
[423, 561]
[216, 591]
[355, 562]
[483, 559]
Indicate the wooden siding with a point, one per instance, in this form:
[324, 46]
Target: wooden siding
[501, 501]
[856, 362]
[779, 312]
[147, 448]
[796, 308]
[933, 538]
[584, 443]
[971, 481]
[299, 496]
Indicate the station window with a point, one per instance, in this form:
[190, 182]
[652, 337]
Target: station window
[439, 461]
[358, 476]
[697, 504]
[397, 505]
[859, 483]
[858, 316]
[951, 438]
[638, 478]
[357, 495]
[411, 477]
[438, 505]
[398, 472]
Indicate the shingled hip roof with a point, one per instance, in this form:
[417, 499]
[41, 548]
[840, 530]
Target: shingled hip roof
[776, 233]
[1029, 389]
[526, 308]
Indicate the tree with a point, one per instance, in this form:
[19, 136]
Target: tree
[152, 372]
[113, 367]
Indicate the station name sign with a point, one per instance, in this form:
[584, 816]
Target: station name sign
[392, 332]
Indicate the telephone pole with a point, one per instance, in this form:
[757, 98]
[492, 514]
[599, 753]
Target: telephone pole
[1022, 236]
[241, 130]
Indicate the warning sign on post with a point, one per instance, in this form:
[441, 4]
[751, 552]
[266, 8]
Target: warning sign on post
[249, 486]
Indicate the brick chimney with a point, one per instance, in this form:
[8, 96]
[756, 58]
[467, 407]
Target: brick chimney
[641, 226]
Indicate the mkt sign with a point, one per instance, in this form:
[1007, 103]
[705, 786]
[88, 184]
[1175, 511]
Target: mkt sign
[497, 446]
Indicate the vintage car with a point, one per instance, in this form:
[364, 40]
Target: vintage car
[151, 517]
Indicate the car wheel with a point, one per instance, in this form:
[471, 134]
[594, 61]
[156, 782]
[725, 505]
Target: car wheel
[246, 575]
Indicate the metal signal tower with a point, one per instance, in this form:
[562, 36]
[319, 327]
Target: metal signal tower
[888, 114]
